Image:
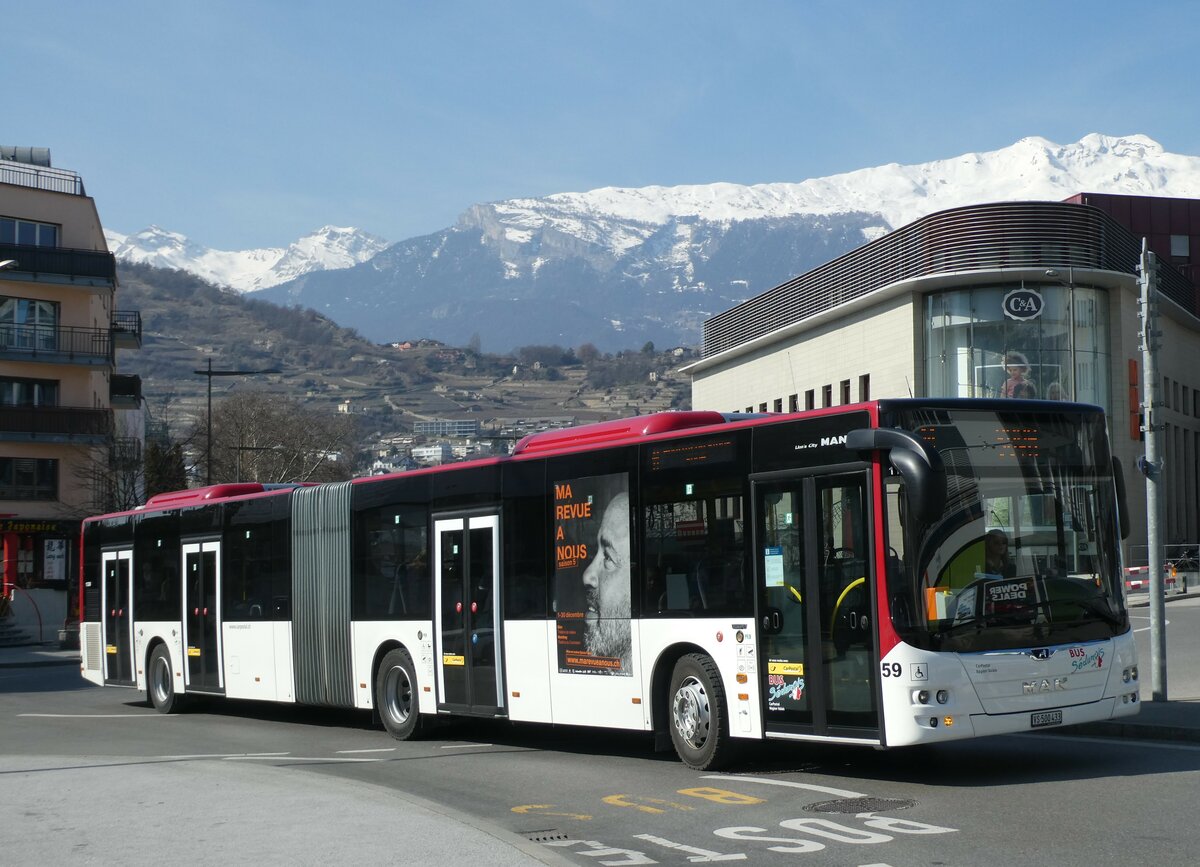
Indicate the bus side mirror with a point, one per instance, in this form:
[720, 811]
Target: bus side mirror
[921, 467]
[1122, 501]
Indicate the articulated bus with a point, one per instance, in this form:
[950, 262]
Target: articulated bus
[888, 573]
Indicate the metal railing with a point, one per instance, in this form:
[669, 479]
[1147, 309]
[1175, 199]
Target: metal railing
[55, 421]
[48, 340]
[125, 387]
[125, 453]
[981, 237]
[41, 177]
[127, 322]
[66, 261]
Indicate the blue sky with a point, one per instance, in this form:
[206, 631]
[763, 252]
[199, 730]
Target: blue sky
[247, 124]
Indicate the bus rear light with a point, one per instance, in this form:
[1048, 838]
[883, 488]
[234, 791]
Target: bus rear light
[741, 678]
[743, 696]
[637, 701]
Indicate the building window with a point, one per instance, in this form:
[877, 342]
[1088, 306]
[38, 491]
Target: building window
[827, 395]
[1181, 247]
[28, 392]
[28, 323]
[810, 399]
[762, 407]
[845, 388]
[864, 387]
[749, 409]
[973, 350]
[28, 479]
[779, 404]
[794, 403]
[13, 231]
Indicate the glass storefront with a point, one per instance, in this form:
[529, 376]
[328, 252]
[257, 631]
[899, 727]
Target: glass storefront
[1017, 340]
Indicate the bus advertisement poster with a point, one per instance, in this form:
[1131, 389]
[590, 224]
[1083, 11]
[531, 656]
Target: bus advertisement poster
[592, 575]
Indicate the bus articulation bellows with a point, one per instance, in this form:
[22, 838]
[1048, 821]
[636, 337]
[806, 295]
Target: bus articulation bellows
[889, 573]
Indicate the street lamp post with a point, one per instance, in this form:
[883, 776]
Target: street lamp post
[210, 373]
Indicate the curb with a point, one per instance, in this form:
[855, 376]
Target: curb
[1135, 731]
[1145, 603]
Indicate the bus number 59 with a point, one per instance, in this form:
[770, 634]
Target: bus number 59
[892, 669]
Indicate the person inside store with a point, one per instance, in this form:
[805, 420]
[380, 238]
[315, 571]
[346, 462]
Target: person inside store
[1016, 365]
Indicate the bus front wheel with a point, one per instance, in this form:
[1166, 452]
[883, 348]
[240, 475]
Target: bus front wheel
[160, 682]
[698, 718]
[396, 695]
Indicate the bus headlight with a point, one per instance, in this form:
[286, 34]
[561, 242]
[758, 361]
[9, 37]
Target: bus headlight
[943, 696]
[921, 696]
[1126, 676]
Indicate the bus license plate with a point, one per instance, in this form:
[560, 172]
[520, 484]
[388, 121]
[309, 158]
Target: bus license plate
[1045, 718]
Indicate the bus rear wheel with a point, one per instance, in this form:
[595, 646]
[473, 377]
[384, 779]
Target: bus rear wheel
[160, 682]
[698, 717]
[396, 695]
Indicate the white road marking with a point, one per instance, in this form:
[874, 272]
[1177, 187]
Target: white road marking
[380, 750]
[699, 856]
[464, 746]
[294, 759]
[825, 790]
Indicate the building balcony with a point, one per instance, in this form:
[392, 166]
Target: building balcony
[55, 424]
[125, 391]
[127, 329]
[125, 453]
[89, 269]
[91, 347]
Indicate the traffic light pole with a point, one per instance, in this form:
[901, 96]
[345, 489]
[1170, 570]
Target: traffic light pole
[1152, 468]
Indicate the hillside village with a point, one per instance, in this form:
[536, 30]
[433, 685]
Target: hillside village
[415, 400]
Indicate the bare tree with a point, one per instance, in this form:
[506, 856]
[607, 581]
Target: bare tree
[260, 437]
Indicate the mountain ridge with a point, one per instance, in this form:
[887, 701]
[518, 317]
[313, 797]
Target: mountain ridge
[621, 266]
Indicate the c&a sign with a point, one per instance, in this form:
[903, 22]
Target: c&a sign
[1023, 304]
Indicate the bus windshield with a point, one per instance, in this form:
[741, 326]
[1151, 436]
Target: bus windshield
[1026, 551]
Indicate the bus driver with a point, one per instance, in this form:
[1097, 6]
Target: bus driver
[606, 582]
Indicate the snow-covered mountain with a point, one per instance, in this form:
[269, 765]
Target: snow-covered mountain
[616, 267]
[619, 220]
[330, 247]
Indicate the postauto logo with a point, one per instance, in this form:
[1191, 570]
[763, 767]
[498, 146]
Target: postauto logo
[1023, 304]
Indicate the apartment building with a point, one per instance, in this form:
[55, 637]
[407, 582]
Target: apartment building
[71, 427]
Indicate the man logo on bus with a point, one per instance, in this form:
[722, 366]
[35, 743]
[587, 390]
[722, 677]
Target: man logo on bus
[606, 581]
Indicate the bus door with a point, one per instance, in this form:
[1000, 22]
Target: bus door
[202, 616]
[467, 591]
[116, 602]
[816, 620]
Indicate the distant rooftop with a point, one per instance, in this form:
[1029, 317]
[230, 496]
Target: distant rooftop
[30, 167]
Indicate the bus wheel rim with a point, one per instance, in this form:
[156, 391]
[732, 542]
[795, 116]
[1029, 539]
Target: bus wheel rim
[398, 694]
[161, 680]
[691, 714]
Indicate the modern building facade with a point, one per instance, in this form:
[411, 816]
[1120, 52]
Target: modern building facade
[1014, 299]
[71, 428]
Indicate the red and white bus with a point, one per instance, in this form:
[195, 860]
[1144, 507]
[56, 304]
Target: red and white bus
[834, 575]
